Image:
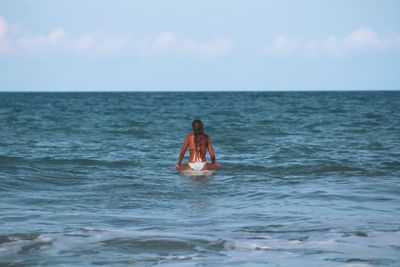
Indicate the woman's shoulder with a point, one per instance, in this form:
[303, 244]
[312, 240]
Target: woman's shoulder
[189, 135]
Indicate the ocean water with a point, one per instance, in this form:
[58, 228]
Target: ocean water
[308, 179]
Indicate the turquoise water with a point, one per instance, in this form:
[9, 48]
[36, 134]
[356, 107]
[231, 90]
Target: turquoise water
[309, 179]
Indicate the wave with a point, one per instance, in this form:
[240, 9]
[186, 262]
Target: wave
[391, 164]
[274, 168]
[13, 160]
[154, 247]
[145, 245]
[10, 159]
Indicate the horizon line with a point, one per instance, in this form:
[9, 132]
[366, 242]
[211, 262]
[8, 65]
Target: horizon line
[197, 91]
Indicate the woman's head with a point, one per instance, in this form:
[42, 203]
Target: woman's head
[197, 126]
[198, 130]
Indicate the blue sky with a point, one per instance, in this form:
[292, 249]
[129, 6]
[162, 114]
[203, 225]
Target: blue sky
[97, 45]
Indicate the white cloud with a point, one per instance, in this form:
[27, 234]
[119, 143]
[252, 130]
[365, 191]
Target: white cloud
[55, 36]
[3, 27]
[27, 43]
[361, 41]
[169, 43]
[100, 43]
[207, 49]
[163, 42]
[3, 34]
[283, 45]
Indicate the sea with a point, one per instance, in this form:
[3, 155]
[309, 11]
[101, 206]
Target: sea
[307, 179]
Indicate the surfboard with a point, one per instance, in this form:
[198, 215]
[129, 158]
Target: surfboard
[191, 172]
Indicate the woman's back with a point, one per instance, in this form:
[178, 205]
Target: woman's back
[197, 147]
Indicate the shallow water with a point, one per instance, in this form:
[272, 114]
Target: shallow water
[309, 179]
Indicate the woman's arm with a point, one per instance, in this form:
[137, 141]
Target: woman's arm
[211, 150]
[183, 150]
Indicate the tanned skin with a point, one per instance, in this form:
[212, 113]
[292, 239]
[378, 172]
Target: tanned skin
[205, 144]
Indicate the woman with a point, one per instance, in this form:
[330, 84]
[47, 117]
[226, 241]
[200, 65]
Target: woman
[198, 143]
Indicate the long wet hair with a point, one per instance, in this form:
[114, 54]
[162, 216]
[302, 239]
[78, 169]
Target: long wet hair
[198, 131]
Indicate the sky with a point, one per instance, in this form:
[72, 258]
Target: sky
[207, 45]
